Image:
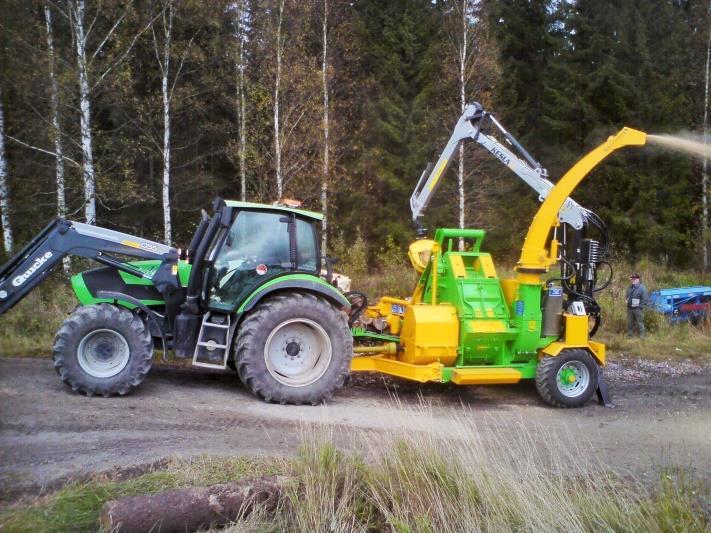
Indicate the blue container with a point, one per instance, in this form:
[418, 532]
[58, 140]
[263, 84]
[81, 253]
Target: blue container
[682, 304]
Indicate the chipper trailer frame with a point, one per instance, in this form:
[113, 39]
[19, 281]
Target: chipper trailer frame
[465, 325]
[248, 294]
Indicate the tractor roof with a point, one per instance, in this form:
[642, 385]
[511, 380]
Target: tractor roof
[267, 207]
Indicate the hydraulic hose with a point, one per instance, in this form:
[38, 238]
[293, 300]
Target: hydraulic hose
[358, 309]
[609, 279]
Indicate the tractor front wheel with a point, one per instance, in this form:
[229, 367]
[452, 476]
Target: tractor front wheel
[568, 379]
[294, 348]
[103, 350]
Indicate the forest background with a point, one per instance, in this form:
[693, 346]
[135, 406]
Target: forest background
[134, 115]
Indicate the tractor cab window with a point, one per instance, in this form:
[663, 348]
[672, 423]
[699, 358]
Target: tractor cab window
[306, 246]
[255, 248]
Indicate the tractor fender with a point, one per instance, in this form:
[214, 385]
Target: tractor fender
[156, 322]
[300, 282]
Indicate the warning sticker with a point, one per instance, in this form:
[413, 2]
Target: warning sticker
[261, 269]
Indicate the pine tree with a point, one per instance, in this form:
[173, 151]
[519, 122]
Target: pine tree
[399, 44]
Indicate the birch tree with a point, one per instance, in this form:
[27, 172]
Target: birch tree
[4, 189]
[165, 72]
[326, 146]
[704, 173]
[163, 55]
[80, 34]
[279, 50]
[166, 94]
[462, 38]
[77, 13]
[56, 126]
[241, 35]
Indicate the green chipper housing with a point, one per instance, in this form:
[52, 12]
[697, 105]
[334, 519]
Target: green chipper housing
[250, 293]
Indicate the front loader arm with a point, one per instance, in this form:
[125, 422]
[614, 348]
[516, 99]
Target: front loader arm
[470, 126]
[29, 267]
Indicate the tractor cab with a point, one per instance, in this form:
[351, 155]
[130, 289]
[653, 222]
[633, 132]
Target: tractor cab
[244, 253]
[261, 243]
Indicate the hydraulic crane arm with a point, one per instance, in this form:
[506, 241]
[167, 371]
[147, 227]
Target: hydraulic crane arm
[471, 125]
[59, 238]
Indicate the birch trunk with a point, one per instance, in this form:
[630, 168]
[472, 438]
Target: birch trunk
[704, 173]
[77, 12]
[4, 190]
[326, 147]
[242, 102]
[165, 71]
[277, 82]
[56, 128]
[462, 103]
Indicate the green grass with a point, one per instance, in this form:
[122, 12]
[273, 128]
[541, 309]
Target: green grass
[664, 340]
[76, 507]
[413, 482]
[28, 329]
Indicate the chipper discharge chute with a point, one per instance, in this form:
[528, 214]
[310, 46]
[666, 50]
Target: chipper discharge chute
[466, 325]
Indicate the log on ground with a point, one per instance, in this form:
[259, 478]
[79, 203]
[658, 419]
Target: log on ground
[191, 509]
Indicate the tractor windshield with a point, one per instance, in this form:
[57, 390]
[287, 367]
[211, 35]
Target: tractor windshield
[256, 248]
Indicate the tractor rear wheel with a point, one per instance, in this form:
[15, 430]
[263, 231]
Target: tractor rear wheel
[294, 348]
[568, 379]
[103, 350]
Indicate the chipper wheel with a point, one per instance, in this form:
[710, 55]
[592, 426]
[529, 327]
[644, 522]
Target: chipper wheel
[294, 348]
[103, 350]
[568, 379]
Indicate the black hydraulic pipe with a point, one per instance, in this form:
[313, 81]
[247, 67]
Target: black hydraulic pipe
[199, 234]
[113, 262]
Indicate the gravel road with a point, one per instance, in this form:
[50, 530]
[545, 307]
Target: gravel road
[49, 434]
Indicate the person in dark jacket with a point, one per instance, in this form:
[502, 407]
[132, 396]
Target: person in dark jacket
[637, 299]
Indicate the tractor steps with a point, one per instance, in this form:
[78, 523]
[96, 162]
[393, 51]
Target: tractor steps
[213, 346]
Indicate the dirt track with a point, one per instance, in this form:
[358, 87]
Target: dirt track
[48, 433]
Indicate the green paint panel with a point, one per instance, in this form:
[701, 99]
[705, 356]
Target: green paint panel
[528, 369]
[148, 267]
[294, 277]
[362, 333]
[184, 269]
[492, 334]
[85, 297]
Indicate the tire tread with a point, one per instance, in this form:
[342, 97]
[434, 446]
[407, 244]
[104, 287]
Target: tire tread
[250, 348]
[102, 315]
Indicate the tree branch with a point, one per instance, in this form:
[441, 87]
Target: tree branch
[180, 67]
[48, 152]
[120, 59]
[108, 36]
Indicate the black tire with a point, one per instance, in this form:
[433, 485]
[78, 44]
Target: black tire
[268, 319]
[578, 393]
[126, 333]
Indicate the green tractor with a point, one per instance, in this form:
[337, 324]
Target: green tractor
[246, 294]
